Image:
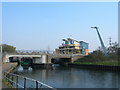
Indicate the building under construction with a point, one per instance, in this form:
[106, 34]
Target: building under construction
[71, 46]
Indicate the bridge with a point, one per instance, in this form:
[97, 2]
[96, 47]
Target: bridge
[65, 57]
[43, 58]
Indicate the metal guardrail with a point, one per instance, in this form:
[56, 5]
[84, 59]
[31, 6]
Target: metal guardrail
[29, 52]
[18, 81]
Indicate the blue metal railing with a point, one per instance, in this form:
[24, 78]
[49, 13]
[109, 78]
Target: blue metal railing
[18, 81]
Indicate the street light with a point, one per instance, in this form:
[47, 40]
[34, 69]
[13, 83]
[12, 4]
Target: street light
[101, 41]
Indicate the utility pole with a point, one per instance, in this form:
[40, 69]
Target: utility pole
[48, 49]
[110, 45]
[101, 41]
[110, 42]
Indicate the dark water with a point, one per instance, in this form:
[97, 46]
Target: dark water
[64, 77]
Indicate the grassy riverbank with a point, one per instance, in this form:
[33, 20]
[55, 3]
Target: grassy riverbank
[97, 58]
[112, 63]
[6, 84]
[7, 67]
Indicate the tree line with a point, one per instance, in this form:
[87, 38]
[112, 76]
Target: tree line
[8, 48]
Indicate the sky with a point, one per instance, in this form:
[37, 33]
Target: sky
[43, 25]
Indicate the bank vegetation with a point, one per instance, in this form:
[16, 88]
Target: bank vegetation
[98, 58]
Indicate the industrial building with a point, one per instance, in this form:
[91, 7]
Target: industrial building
[71, 46]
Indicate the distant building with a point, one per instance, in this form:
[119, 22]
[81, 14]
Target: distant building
[71, 46]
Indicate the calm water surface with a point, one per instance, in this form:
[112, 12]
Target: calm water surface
[64, 77]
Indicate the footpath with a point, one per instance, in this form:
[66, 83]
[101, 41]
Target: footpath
[7, 67]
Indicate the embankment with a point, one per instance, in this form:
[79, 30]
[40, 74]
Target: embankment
[98, 67]
[7, 67]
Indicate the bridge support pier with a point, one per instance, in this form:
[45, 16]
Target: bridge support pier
[43, 62]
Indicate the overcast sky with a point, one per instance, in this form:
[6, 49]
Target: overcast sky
[39, 25]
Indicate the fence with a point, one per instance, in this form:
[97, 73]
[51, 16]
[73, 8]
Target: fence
[28, 52]
[18, 81]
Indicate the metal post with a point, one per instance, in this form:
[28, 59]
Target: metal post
[16, 81]
[12, 80]
[24, 83]
[5, 75]
[9, 76]
[36, 85]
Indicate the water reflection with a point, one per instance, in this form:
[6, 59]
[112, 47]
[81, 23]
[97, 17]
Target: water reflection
[65, 77]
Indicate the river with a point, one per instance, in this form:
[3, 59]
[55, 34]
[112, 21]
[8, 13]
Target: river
[70, 77]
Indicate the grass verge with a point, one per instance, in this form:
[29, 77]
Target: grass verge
[6, 84]
[99, 63]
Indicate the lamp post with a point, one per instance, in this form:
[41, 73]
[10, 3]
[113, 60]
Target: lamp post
[101, 41]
